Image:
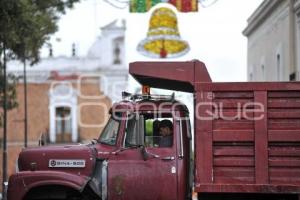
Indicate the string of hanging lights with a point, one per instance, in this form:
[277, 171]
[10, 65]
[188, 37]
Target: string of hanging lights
[163, 39]
[145, 5]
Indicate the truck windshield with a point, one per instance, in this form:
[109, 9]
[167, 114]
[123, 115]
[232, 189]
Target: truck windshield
[110, 132]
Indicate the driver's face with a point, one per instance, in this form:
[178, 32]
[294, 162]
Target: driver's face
[165, 131]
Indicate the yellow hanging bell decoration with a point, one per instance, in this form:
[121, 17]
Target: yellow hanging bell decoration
[163, 38]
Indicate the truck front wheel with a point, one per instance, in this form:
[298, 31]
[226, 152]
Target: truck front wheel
[58, 193]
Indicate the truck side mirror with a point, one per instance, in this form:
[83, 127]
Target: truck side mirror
[144, 153]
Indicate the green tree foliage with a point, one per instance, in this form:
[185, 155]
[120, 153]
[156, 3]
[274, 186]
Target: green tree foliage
[25, 25]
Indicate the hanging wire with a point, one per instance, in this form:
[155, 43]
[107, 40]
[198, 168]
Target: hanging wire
[115, 2]
[125, 3]
[207, 3]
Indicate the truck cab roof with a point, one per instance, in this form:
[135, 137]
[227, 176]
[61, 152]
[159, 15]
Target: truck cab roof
[149, 104]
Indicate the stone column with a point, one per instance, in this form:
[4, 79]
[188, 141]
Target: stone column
[74, 122]
[52, 123]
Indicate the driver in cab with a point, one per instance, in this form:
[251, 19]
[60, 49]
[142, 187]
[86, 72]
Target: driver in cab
[166, 133]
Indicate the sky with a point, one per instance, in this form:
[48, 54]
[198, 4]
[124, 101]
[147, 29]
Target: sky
[214, 33]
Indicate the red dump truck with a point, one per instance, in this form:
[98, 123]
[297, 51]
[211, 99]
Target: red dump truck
[246, 144]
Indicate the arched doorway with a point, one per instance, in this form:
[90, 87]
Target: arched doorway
[63, 113]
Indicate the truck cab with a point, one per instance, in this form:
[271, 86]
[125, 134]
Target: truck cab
[129, 160]
[140, 165]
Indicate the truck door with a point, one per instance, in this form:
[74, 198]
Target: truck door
[144, 168]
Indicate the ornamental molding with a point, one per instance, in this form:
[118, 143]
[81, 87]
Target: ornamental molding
[297, 8]
[260, 15]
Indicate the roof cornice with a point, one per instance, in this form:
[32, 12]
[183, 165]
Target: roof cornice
[297, 7]
[259, 15]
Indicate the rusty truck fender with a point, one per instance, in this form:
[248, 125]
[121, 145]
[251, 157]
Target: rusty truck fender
[21, 183]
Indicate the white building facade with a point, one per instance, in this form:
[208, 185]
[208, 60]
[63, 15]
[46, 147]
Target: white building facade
[71, 83]
[273, 33]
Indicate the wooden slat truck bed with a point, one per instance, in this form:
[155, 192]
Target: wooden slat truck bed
[247, 137]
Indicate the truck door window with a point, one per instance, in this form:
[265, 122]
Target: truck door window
[158, 130]
[110, 132]
[131, 132]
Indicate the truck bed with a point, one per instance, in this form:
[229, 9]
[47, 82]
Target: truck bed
[247, 137]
